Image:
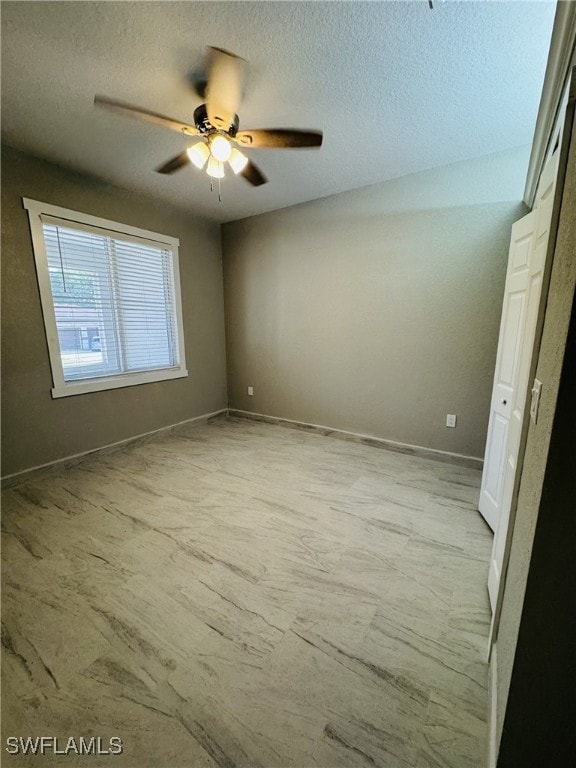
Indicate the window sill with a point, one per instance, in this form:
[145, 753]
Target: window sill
[115, 382]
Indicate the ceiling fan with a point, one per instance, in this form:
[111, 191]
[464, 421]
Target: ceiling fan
[216, 125]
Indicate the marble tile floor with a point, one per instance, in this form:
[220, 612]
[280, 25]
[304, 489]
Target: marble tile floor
[244, 595]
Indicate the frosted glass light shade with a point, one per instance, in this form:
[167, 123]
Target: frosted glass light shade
[215, 168]
[237, 161]
[198, 154]
[220, 148]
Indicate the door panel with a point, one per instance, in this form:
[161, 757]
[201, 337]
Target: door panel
[513, 320]
[496, 446]
[521, 253]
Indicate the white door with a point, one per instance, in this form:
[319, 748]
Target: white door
[526, 288]
[512, 327]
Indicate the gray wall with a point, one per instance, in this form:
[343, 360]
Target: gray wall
[37, 429]
[377, 310]
[517, 603]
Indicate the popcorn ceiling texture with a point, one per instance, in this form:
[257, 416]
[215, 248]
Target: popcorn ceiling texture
[395, 87]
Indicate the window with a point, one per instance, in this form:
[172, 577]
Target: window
[111, 301]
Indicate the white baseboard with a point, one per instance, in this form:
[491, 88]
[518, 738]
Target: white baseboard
[18, 478]
[414, 450]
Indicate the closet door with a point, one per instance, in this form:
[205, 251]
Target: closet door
[506, 376]
[530, 293]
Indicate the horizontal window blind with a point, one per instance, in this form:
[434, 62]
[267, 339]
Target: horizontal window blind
[114, 301]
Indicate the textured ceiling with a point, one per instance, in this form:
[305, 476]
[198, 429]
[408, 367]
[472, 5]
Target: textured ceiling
[396, 88]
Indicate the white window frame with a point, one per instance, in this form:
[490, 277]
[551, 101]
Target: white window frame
[62, 388]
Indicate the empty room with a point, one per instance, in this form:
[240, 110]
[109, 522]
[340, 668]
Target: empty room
[288, 360]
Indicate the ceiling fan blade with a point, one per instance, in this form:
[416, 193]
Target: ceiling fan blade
[174, 164]
[253, 174]
[226, 73]
[279, 138]
[144, 114]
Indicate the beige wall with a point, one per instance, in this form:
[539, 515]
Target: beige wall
[37, 429]
[377, 310]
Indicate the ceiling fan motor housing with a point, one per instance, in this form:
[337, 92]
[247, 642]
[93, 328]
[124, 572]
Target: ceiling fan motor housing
[204, 125]
[217, 123]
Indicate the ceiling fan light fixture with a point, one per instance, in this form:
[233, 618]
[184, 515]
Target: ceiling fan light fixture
[198, 154]
[215, 168]
[237, 161]
[215, 124]
[220, 148]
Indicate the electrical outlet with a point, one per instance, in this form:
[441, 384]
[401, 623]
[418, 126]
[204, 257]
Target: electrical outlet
[250, 390]
[450, 420]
